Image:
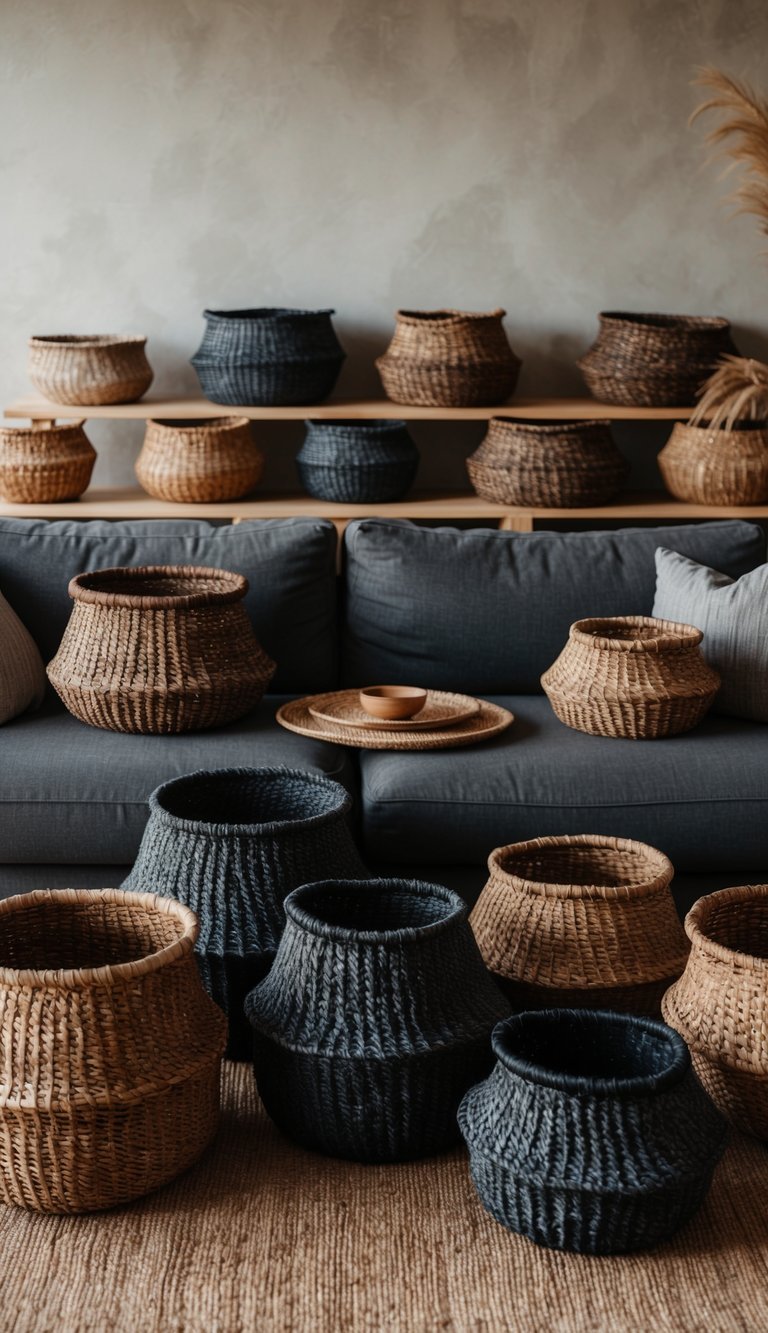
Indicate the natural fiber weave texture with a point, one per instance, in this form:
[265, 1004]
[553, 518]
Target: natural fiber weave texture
[654, 360]
[720, 1004]
[357, 462]
[89, 370]
[40, 465]
[342, 708]
[22, 673]
[582, 921]
[716, 467]
[547, 463]
[109, 1046]
[631, 676]
[194, 462]
[449, 358]
[159, 649]
[490, 720]
[268, 356]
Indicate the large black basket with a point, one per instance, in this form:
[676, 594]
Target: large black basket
[268, 357]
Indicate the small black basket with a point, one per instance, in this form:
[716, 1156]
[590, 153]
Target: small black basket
[357, 462]
[268, 357]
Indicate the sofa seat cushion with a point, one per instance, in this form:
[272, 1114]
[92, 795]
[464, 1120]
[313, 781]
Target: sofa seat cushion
[701, 797]
[73, 794]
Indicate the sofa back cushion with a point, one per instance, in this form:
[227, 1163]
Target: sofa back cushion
[490, 611]
[290, 566]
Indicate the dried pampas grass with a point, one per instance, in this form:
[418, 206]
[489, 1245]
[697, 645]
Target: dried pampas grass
[742, 136]
[737, 391]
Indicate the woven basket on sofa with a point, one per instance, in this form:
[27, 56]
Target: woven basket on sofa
[193, 462]
[449, 358]
[583, 921]
[110, 1048]
[159, 649]
[357, 462]
[631, 676]
[89, 370]
[40, 465]
[717, 467]
[556, 464]
[654, 360]
[268, 356]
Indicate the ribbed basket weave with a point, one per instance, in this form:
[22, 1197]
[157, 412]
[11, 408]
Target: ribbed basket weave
[580, 921]
[449, 358]
[558, 464]
[110, 1048]
[159, 649]
[357, 462]
[374, 1020]
[654, 360]
[194, 462]
[89, 370]
[40, 465]
[631, 676]
[232, 844]
[717, 467]
[720, 1004]
[268, 356]
[592, 1133]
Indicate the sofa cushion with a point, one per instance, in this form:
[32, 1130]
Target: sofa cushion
[289, 563]
[490, 611]
[701, 797]
[71, 793]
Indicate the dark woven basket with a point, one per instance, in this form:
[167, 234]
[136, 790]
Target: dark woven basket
[268, 356]
[357, 462]
[654, 360]
[374, 1020]
[449, 358]
[556, 464]
[592, 1134]
[231, 844]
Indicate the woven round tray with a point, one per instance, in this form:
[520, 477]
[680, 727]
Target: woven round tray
[342, 709]
[489, 721]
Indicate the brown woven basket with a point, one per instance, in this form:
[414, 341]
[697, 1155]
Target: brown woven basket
[717, 467]
[720, 1004]
[547, 463]
[89, 370]
[631, 676]
[654, 360]
[159, 649]
[110, 1047]
[193, 462]
[40, 465]
[449, 358]
[583, 921]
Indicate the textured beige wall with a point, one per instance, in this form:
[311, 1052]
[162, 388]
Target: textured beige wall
[162, 155]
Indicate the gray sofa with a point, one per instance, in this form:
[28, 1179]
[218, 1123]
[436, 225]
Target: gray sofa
[478, 611]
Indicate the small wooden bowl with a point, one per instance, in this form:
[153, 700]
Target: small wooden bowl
[393, 702]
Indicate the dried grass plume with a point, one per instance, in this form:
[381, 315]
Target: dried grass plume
[742, 135]
[737, 391]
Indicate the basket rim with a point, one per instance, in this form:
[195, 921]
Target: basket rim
[264, 314]
[744, 426]
[299, 913]
[79, 590]
[44, 432]
[655, 883]
[86, 340]
[189, 424]
[353, 427]
[549, 425]
[657, 320]
[671, 635]
[109, 974]
[446, 315]
[698, 918]
[269, 827]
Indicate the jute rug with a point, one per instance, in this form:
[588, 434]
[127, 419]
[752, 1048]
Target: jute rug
[263, 1236]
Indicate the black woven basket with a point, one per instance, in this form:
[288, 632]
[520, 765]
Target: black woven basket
[268, 356]
[357, 462]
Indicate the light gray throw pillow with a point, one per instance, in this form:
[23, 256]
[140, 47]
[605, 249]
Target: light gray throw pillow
[733, 616]
[22, 674]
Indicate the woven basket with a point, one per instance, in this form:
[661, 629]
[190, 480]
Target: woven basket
[357, 462]
[631, 676]
[557, 464]
[717, 467]
[110, 1048]
[268, 356]
[582, 921]
[449, 358]
[89, 370]
[654, 360]
[159, 649]
[40, 465]
[194, 462]
[592, 1133]
[720, 1004]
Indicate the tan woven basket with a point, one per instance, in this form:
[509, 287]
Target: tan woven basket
[631, 676]
[583, 921]
[654, 360]
[193, 462]
[720, 1004]
[41, 466]
[717, 467]
[89, 370]
[449, 358]
[110, 1048]
[159, 649]
[547, 463]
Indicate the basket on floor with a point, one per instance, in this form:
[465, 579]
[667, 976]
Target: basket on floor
[580, 921]
[549, 464]
[89, 370]
[159, 649]
[717, 467]
[194, 462]
[720, 1004]
[449, 358]
[268, 356]
[631, 676]
[110, 1047]
[43, 465]
[654, 360]
[357, 462]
